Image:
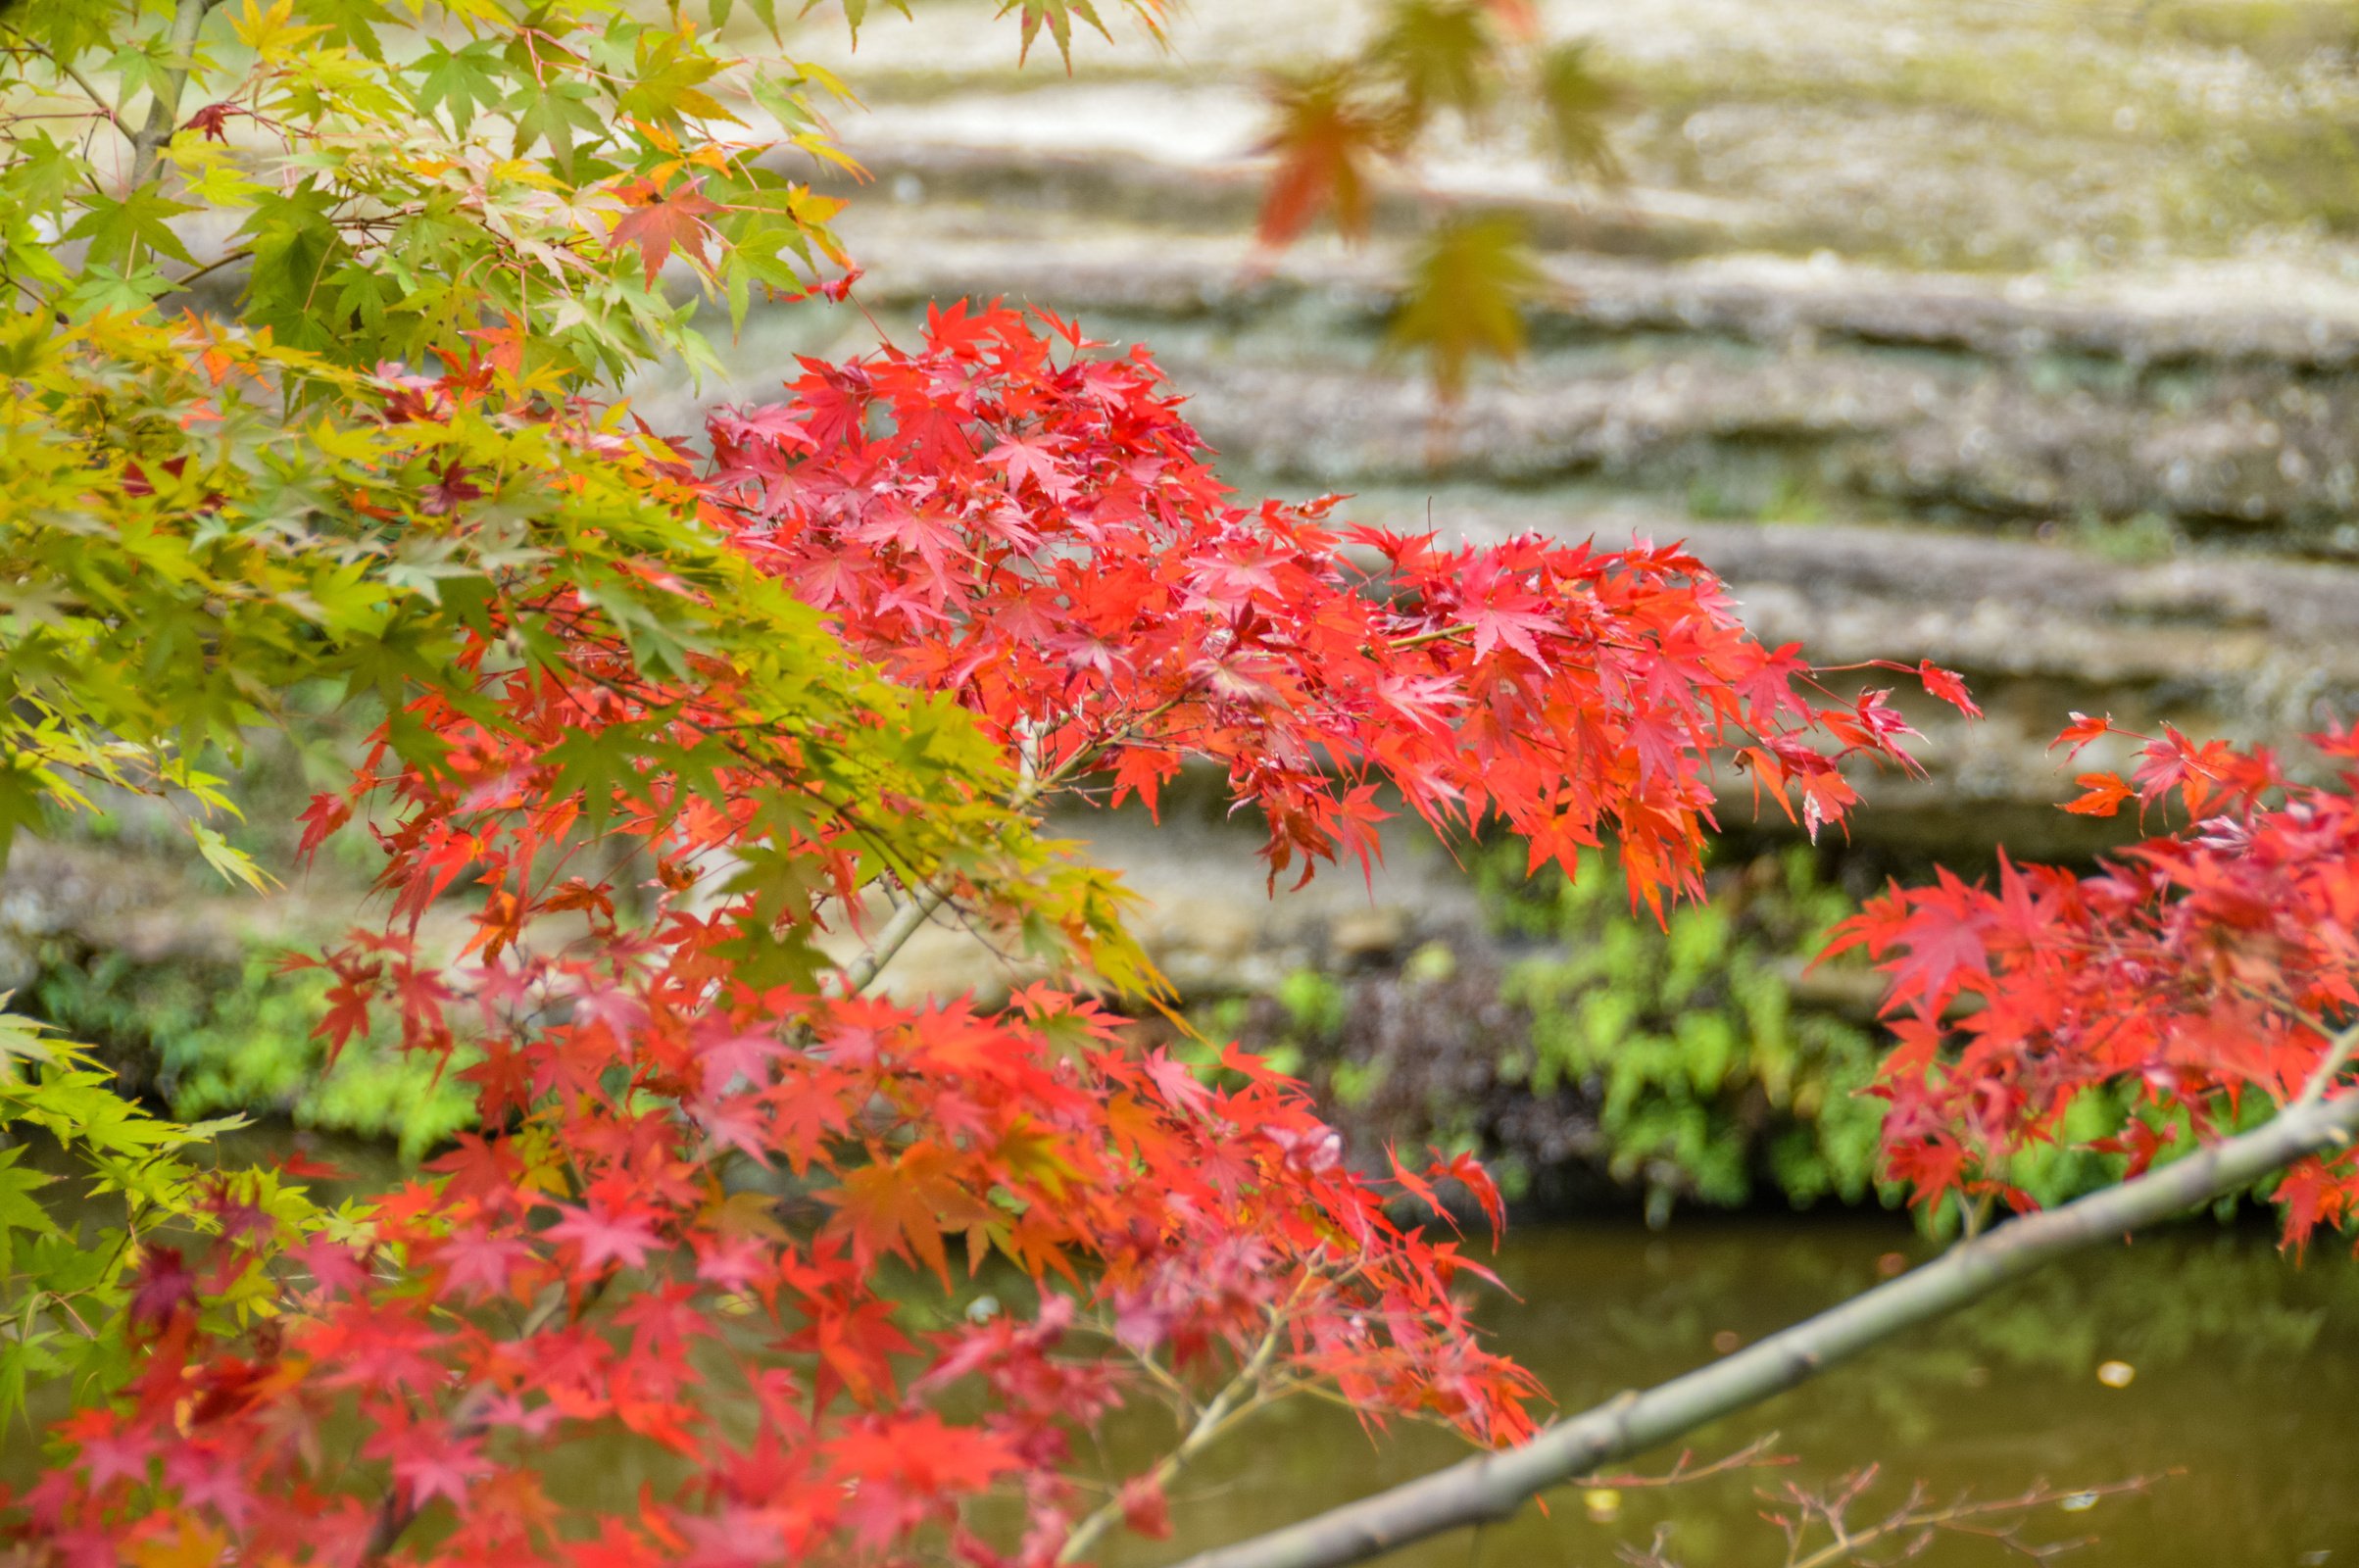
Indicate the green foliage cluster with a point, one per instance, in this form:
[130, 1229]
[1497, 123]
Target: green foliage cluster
[1711, 1066]
[68, 1266]
[245, 1041]
[388, 486]
[384, 181]
[1686, 1060]
[1705, 1071]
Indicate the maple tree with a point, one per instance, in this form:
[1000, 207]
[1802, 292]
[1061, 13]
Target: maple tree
[654, 716]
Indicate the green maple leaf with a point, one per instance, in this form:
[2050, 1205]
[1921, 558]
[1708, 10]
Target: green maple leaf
[462, 81]
[233, 863]
[1575, 102]
[24, 1040]
[19, 1210]
[1441, 54]
[753, 260]
[1058, 17]
[64, 28]
[600, 765]
[296, 249]
[22, 1360]
[855, 12]
[107, 288]
[117, 230]
[1465, 298]
[39, 172]
[553, 114]
[670, 85]
[351, 23]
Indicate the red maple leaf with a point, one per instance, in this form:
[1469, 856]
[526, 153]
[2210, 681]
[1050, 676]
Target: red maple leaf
[2080, 731]
[1468, 1172]
[662, 223]
[213, 121]
[1325, 136]
[1035, 458]
[1948, 687]
[605, 1236]
[2175, 762]
[2104, 796]
[162, 1283]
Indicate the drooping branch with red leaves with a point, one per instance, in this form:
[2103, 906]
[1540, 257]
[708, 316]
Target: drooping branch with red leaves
[714, 1183]
[1045, 542]
[2197, 980]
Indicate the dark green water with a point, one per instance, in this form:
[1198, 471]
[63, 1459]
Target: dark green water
[2246, 1380]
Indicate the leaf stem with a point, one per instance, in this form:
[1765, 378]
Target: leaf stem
[1226, 1405]
[64, 68]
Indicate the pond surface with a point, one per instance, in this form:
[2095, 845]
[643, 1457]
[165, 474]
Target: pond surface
[2245, 1380]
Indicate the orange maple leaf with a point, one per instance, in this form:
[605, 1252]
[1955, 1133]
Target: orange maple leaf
[904, 1205]
[664, 223]
[1324, 133]
[2106, 792]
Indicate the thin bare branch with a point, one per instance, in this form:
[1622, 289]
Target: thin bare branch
[1233, 1400]
[926, 899]
[1915, 1522]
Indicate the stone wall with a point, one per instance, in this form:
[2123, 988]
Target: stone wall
[2025, 339]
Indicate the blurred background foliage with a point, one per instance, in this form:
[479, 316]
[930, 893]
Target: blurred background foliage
[1577, 1040]
[211, 1039]
[1587, 1048]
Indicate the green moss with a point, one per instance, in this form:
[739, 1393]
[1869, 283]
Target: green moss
[1313, 1002]
[214, 1040]
[2275, 31]
[1706, 1076]
[2136, 541]
[2090, 105]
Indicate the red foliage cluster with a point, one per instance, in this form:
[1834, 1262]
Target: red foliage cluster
[2199, 977]
[668, 1100]
[1045, 542]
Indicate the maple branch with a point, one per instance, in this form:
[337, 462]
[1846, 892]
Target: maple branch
[1209, 1424]
[2340, 1051]
[895, 933]
[396, 1514]
[1491, 1488]
[212, 267]
[1756, 1454]
[931, 895]
[1439, 634]
[164, 113]
[1913, 1518]
[64, 69]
